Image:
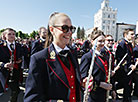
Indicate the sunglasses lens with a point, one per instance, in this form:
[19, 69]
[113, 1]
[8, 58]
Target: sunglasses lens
[110, 40]
[73, 29]
[65, 28]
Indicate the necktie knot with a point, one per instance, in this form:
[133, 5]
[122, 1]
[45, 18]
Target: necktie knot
[64, 53]
[12, 46]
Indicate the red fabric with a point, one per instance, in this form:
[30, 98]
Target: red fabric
[105, 67]
[71, 80]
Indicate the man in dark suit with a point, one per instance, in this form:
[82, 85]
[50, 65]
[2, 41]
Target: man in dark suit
[39, 44]
[124, 80]
[10, 63]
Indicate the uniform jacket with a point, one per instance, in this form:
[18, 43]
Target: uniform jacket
[135, 50]
[37, 45]
[98, 73]
[106, 53]
[47, 80]
[123, 48]
[5, 58]
[26, 56]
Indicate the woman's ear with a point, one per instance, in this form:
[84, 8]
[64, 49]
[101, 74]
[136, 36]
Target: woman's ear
[51, 29]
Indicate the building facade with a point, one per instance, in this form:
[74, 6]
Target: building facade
[120, 27]
[105, 19]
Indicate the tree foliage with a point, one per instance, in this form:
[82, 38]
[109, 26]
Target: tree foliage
[80, 33]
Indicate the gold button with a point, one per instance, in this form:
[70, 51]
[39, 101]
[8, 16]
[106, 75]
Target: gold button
[72, 87]
[71, 76]
[73, 98]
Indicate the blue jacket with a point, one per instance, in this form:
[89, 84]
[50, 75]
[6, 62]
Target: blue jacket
[47, 80]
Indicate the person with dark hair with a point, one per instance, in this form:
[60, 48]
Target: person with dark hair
[100, 68]
[86, 45]
[54, 71]
[10, 63]
[38, 45]
[124, 80]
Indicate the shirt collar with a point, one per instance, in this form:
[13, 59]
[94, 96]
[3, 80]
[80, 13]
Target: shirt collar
[97, 52]
[58, 49]
[128, 41]
[11, 43]
[42, 39]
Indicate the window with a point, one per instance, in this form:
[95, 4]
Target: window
[108, 22]
[108, 16]
[108, 27]
[103, 15]
[113, 16]
[113, 22]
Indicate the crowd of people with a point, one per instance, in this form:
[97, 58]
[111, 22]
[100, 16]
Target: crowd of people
[54, 72]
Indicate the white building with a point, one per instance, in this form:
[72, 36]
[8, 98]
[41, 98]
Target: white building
[105, 19]
[120, 27]
[88, 31]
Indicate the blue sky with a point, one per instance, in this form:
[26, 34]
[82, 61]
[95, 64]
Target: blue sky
[29, 15]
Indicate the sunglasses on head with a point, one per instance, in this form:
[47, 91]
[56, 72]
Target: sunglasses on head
[66, 28]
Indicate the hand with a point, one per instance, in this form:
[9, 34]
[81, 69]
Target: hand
[116, 68]
[133, 67]
[105, 85]
[113, 73]
[90, 85]
[9, 65]
[19, 61]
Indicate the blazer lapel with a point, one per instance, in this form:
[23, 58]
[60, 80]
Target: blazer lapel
[55, 66]
[100, 64]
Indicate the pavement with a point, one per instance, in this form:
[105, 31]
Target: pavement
[6, 96]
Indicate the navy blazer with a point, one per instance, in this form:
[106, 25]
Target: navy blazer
[5, 58]
[135, 50]
[98, 71]
[37, 45]
[99, 75]
[123, 48]
[106, 53]
[47, 80]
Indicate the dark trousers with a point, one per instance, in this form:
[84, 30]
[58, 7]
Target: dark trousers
[125, 82]
[14, 85]
[135, 80]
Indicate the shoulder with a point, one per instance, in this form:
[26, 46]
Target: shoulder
[136, 48]
[41, 54]
[87, 55]
[35, 42]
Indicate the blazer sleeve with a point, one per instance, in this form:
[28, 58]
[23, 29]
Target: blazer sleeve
[36, 82]
[85, 65]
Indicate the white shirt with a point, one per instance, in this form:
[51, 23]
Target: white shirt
[58, 49]
[8, 44]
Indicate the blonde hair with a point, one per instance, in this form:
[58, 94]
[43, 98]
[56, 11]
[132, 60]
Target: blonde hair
[52, 21]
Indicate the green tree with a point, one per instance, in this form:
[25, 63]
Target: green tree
[78, 33]
[1, 31]
[82, 33]
[33, 34]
